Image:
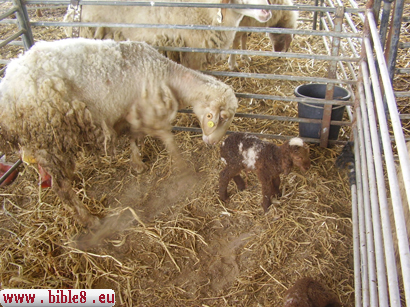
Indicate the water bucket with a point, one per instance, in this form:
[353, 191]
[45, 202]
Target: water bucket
[315, 111]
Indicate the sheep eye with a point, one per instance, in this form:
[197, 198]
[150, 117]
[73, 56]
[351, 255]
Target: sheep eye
[209, 116]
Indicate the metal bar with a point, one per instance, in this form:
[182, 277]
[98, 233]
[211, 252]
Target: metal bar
[356, 235]
[384, 23]
[10, 38]
[327, 109]
[266, 136]
[381, 285]
[367, 214]
[8, 173]
[14, 43]
[9, 12]
[295, 7]
[368, 105]
[402, 94]
[362, 231]
[278, 118]
[24, 24]
[393, 38]
[276, 77]
[315, 16]
[294, 99]
[384, 132]
[393, 113]
[187, 27]
[260, 53]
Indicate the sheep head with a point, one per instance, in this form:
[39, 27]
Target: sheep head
[299, 154]
[216, 117]
[259, 14]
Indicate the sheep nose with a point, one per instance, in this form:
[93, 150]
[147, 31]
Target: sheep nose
[265, 15]
[207, 140]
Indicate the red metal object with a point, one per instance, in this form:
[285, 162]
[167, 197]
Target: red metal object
[46, 180]
[8, 172]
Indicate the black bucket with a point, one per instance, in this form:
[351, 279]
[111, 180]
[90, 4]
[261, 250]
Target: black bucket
[315, 111]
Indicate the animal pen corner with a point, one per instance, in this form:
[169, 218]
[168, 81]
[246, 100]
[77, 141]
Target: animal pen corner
[361, 47]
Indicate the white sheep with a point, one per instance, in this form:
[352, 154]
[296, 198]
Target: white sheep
[70, 94]
[171, 37]
[280, 42]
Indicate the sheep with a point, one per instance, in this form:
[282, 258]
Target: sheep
[308, 292]
[171, 37]
[280, 42]
[246, 152]
[70, 94]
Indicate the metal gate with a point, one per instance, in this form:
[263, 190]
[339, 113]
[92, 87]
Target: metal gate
[360, 58]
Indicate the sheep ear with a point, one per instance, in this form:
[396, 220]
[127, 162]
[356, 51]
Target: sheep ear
[210, 121]
[221, 12]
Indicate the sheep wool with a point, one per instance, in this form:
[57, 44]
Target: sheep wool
[64, 96]
[174, 16]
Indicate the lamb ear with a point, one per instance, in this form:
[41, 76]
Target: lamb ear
[221, 12]
[210, 121]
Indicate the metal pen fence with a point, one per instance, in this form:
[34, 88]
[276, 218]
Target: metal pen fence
[359, 57]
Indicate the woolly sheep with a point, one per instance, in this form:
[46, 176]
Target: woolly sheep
[171, 37]
[70, 94]
[280, 42]
[246, 152]
[308, 292]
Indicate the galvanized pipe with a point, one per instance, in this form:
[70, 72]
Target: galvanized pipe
[356, 236]
[371, 265]
[393, 182]
[393, 113]
[381, 188]
[362, 231]
[375, 212]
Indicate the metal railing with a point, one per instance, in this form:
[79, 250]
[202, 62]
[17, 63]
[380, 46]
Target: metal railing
[368, 76]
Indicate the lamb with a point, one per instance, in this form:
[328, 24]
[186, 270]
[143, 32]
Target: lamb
[245, 152]
[81, 93]
[171, 37]
[308, 292]
[280, 42]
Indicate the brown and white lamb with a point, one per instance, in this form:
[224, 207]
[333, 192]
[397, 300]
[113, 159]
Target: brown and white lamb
[241, 151]
[308, 292]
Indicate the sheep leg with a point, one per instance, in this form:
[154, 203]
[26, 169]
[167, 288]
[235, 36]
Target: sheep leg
[136, 160]
[240, 183]
[225, 176]
[63, 189]
[244, 38]
[61, 172]
[167, 138]
[268, 189]
[276, 185]
[232, 57]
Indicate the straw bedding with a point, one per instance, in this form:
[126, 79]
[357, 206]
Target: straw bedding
[167, 240]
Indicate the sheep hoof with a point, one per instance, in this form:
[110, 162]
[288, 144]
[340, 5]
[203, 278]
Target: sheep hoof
[139, 168]
[90, 221]
[246, 58]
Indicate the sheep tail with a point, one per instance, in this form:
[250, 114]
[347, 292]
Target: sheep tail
[346, 160]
